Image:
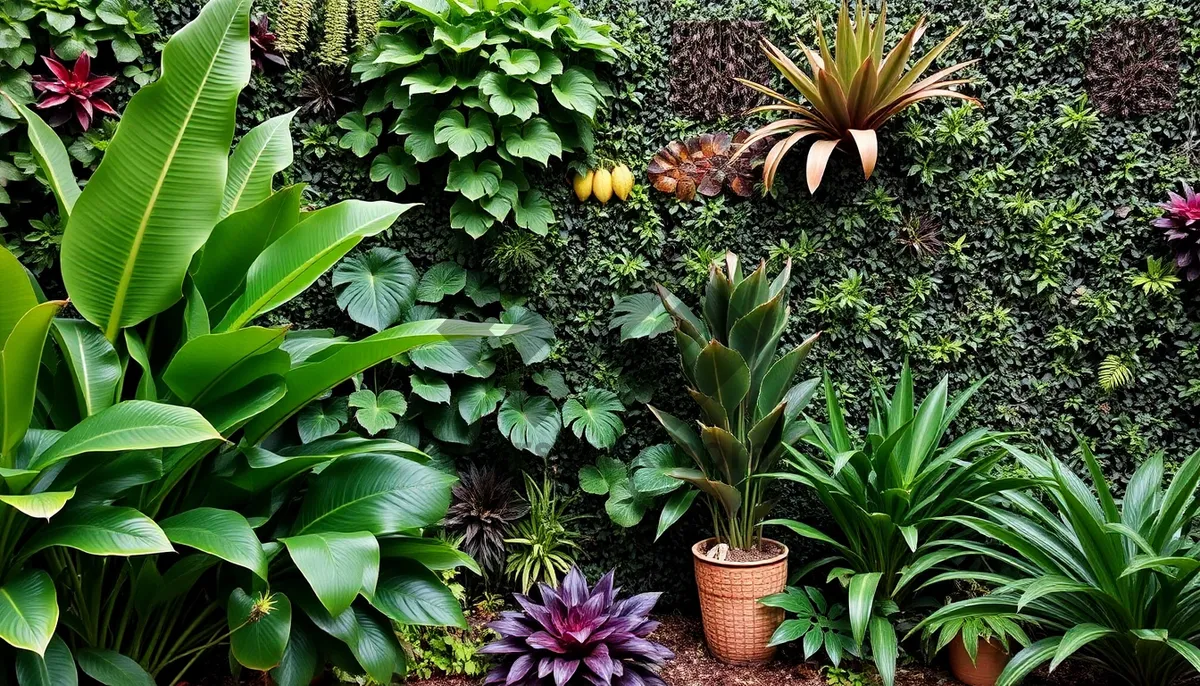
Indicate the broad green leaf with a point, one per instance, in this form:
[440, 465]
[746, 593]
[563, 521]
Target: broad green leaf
[722, 374]
[361, 134]
[460, 38]
[1077, 637]
[397, 167]
[158, 191]
[291, 264]
[534, 140]
[338, 566]
[536, 342]
[112, 668]
[469, 216]
[216, 364]
[262, 153]
[322, 418]
[534, 212]
[237, 241]
[258, 638]
[540, 28]
[101, 530]
[529, 422]
[409, 593]
[130, 425]
[595, 417]
[575, 89]
[377, 287]
[478, 399]
[300, 661]
[376, 492]
[508, 96]
[861, 601]
[428, 79]
[519, 62]
[400, 49]
[417, 121]
[431, 553]
[42, 505]
[674, 509]
[552, 380]
[447, 426]
[377, 413]
[20, 360]
[339, 361]
[640, 316]
[51, 156]
[464, 135]
[56, 668]
[588, 33]
[651, 465]
[442, 279]
[885, 648]
[220, 533]
[370, 639]
[92, 361]
[19, 296]
[430, 387]
[625, 506]
[474, 181]
[28, 611]
[502, 201]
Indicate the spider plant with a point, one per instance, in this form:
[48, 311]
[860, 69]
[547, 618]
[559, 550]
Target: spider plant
[852, 90]
[543, 548]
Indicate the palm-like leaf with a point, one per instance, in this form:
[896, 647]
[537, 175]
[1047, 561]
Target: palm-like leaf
[1113, 585]
[851, 91]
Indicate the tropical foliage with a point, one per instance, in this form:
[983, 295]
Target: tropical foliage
[542, 546]
[817, 624]
[482, 510]
[1114, 585]
[748, 402]
[852, 90]
[578, 633]
[492, 89]
[893, 497]
[172, 252]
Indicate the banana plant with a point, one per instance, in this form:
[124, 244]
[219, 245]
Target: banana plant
[141, 432]
[1110, 582]
[892, 498]
[748, 402]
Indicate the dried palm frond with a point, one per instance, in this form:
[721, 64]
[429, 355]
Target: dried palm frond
[851, 93]
[707, 164]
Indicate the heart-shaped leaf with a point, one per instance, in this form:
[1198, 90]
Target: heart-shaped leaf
[470, 217]
[464, 136]
[508, 96]
[519, 62]
[361, 135]
[535, 343]
[478, 399]
[534, 212]
[397, 167]
[430, 387]
[529, 422]
[378, 287]
[378, 412]
[474, 181]
[576, 89]
[535, 140]
[428, 79]
[321, 418]
[442, 279]
[640, 316]
[594, 417]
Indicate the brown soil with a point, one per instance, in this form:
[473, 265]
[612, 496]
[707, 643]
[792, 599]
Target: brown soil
[763, 551]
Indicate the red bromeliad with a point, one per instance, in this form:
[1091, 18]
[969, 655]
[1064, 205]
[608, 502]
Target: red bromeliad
[76, 86]
[1181, 219]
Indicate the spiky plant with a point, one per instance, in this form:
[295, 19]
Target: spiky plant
[922, 235]
[482, 508]
[852, 90]
[1181, 219]
[325, 90]
[578, 635]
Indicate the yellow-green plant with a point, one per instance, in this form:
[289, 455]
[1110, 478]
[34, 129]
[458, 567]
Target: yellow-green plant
[852, 90]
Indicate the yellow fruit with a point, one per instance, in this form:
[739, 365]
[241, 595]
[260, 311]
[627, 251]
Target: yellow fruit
[622, 181]
[583, 186]
[602, 185]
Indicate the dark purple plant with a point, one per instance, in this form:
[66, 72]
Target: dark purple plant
[578, 636]
[262, 44]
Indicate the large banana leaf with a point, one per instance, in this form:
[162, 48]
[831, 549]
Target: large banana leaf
[51, 155]
[19, 297]
[28, 611]
[264, 151]
[339, 361]
[93, 362]
[216, 364]
[20, 358]
[158, 191]
[292, 263]
[131, 425]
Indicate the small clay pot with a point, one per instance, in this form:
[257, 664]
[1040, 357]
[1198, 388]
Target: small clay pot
[990, 660]
[736, 627]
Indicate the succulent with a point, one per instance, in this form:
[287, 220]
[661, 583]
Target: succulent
[482, 508]
[578, 636]
[707, 164]
[1182, 223]
[262, 44]
[850, 94]
[75, 86]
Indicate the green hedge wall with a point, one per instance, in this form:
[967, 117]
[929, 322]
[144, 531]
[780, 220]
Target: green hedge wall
[1045, 224]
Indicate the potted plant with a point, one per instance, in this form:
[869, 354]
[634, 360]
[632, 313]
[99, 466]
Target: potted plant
[979, 645]
[749, 410]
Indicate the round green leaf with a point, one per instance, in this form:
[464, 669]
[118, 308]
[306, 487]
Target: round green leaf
[430, 387]
[261, 627]
[377, 287]
[442, 279]
[478, 399]
[529, 422]
[321, 418]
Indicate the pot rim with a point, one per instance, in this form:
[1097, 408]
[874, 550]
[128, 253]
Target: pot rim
[781, 557]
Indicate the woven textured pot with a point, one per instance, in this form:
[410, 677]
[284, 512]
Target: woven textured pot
[990, 660]
[736, 627]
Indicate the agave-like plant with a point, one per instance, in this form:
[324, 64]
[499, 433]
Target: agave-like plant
[1116, 585]
[889, 495]
[578, 635]
[851, 92]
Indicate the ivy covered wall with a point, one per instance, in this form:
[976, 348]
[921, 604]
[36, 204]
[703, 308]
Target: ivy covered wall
[1008, 241]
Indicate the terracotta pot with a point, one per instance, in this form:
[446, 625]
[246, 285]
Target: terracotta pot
[736, 627]
[990, 660]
